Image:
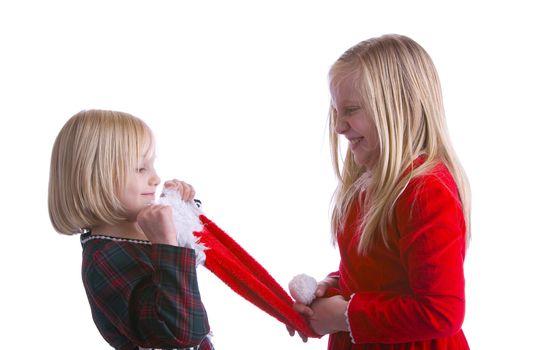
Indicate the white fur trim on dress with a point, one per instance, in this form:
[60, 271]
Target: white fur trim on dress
[348, 320]
[186, 221]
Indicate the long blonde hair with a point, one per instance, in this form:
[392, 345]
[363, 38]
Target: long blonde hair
[91, 157]
[398, 83]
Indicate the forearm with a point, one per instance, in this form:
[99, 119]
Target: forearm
[329, 315]
[387, 318]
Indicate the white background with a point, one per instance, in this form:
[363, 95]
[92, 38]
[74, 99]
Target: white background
[236, 93]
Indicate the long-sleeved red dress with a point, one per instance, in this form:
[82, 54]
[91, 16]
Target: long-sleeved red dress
[412, 295]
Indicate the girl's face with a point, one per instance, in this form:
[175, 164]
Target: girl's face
[141, 184]
[355, 123]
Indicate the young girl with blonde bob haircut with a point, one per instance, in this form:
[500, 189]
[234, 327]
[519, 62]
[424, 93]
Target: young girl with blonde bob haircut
[401, 207]
[142, 288]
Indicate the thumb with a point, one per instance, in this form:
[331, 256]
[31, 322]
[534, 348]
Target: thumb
[321, 290]
[303, 309]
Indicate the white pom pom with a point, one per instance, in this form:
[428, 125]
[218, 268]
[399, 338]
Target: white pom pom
[302, 288]
[186, 221]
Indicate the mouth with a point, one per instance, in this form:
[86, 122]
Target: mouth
[355, 141]
[149, 194]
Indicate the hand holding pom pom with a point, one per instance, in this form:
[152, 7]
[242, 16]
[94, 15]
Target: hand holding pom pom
[302, 288]
[224, 257]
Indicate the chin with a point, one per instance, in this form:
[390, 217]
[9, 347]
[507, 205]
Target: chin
[364, 161]
[360, 162]
[132, 212]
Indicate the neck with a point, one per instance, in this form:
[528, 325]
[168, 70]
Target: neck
[125, 229]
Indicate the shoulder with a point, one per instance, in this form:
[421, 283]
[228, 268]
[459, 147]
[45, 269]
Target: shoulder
[429, 214]
[113, 247]
[436, 178]
[433, 190]
[106, 257]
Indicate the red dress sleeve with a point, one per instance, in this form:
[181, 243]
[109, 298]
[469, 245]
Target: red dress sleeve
[430, 239]
[334, 274]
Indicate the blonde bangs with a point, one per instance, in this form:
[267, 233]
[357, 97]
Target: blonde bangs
[89, 164]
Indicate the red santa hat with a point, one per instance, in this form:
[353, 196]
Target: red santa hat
[226, 259]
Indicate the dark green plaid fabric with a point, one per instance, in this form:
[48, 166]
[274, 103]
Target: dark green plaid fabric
[144, 295]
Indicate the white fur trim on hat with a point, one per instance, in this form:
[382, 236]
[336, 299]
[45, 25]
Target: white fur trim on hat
[186, 221]
[302, 288]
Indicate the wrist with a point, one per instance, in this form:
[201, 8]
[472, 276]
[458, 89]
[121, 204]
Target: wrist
[341, 324]
[164, 240]
[330, 281]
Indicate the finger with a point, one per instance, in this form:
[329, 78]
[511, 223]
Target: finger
[303, 310]
[165, 209]
[188, 192]
[156, 209]
[148, 209]
[291, 331]
[192, 193]
[183, 190]
[321, 289]
[170, 184]
[180, 185]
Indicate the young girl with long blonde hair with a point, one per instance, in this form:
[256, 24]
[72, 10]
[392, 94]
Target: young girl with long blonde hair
[401, 207]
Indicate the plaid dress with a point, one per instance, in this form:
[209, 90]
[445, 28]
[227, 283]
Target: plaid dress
[144, 296]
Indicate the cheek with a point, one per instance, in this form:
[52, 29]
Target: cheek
[125, 197]
[373, 141]
[129, 190]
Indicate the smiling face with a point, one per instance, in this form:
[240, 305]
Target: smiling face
[355, 123]
[139, 190]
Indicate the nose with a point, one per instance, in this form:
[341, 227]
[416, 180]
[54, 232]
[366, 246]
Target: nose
[341, 126]
[155, 179]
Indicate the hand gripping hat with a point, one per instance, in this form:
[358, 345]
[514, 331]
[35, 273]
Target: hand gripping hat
[227, 260]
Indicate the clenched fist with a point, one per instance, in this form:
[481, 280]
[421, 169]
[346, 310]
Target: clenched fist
[156, 221]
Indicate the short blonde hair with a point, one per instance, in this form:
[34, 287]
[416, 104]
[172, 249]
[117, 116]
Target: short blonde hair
[398, 84]
[91, 157]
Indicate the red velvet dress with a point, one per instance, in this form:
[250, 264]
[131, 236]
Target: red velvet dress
[411, 296]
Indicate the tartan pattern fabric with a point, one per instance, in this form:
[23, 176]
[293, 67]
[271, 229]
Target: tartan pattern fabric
[143, 295]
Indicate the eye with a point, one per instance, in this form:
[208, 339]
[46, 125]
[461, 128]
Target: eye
[141, 170]
[350, 110]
